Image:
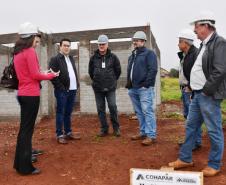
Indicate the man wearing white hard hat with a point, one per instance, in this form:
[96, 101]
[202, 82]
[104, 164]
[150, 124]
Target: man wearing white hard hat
[105, 70]
[188, 54]
[208, 83]
[141, 75]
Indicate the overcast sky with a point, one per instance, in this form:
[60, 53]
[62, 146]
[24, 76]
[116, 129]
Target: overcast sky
[166, 17]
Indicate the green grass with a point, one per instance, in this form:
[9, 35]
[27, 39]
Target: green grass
[170, 89]
[223, 106]
[174, 115]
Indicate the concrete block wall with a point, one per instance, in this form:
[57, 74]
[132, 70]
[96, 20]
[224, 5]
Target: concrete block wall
[87, 98]
[8, 103]
[4, 61]
[43, 62]
[122, 98]
[154, 47]
[158, 85]
[9, 106]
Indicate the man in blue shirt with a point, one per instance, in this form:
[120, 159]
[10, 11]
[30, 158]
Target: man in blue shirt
[141, 74]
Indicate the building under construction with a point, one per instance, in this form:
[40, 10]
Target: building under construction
[120, 43]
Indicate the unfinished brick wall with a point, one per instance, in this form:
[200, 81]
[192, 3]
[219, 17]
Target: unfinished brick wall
[9, 106]
[87, 101]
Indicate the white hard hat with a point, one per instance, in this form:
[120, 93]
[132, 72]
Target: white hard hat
[205, 17]
[27, 29]
[187, 34]
[102, 39]
[140, 35]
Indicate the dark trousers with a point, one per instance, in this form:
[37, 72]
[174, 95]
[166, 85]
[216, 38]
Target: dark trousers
[101, 109]
[29, 109]
[65, 102]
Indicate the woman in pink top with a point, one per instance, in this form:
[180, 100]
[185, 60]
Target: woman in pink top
[29, 76]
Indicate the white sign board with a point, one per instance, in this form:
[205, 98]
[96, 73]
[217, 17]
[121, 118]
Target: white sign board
[159, 177]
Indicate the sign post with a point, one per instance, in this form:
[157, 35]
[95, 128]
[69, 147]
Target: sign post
[164, 177]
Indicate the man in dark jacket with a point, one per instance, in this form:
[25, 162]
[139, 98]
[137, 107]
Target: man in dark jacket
[104, 70]
[141, 74]
[65, 87]
[208, 82]
[188, 54]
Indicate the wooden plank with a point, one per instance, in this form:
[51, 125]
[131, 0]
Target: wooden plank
[8, 38]
[123, 45]
[13, 37]
[113, 33]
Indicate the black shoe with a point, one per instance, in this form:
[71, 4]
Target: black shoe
[102, 134]
[117, 133]
[36, 152]
[197, 147]
[33, 159]
[36, 171]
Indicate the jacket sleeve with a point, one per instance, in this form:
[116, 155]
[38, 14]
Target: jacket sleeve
[33, 66]
[55, 67]
[90, 70]
[218, 72]
[117, 67]
[152, 68]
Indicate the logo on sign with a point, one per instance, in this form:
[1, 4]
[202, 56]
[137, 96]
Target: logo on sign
[154, 177]
[186, 180]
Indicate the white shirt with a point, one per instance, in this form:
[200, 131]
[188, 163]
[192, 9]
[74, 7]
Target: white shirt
[182, 78]
[73, 82]
[198, 79]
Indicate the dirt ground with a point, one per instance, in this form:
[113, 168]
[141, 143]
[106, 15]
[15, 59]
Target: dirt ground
[99, 161]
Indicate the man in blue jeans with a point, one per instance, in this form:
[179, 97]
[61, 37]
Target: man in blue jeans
[188, 54]
[65, 87]
[105, 70]
[141, 74]
[208, 82]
